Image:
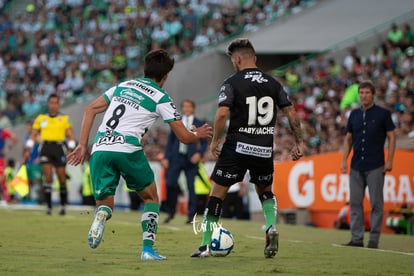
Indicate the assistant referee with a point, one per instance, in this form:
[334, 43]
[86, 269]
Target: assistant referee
[54, 129]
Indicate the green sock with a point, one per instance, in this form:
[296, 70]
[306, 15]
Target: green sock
[209, 222]
[269, 207]
[149, 223]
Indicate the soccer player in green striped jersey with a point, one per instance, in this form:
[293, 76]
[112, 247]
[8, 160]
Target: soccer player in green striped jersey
[131, 108]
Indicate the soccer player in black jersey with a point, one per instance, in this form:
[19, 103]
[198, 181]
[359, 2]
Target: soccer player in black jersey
[249, 99]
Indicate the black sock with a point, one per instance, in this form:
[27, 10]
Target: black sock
[63, 194]
[47, 189]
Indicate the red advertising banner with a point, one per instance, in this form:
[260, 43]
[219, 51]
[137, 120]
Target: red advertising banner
[316, 183]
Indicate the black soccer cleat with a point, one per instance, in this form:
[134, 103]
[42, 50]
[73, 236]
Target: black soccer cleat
[202, 251]
[272, 242]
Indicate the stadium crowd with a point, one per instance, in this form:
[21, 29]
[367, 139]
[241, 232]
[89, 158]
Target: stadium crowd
[79, 47]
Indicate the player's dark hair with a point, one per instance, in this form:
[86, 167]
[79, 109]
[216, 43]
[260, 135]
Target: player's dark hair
[239, 44]
[157, 64]
[367, 84]
[53, 95]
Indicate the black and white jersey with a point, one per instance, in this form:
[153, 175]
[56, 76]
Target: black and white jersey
[253, 98]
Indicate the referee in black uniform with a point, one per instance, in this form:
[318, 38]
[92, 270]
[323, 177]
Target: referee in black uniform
[56, 136]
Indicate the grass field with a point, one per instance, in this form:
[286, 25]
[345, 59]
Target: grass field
[32, 243]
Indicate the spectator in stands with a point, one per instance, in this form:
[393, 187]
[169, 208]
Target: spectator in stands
[200, 8]
[30, 107]
[405, 127]
[350, 58]
[50, 35]
[376, 56]
[118, 64]
[333, 69]
[407, 39]
[4, 120]
[395, 34]
[11, 111]
[292, 79]
[201, 40]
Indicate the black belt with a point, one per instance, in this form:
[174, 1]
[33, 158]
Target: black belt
[53, 143]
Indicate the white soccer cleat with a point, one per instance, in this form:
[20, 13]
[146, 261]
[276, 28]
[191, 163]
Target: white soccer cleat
[97, 229]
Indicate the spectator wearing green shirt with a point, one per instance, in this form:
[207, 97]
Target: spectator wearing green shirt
[333, 68]
[407, 39]
[394, 34]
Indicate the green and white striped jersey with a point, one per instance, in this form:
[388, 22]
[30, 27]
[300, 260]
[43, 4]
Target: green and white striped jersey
[134, 106]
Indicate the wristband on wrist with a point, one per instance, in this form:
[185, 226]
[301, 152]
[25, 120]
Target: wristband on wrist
[29, 144]
[71, 144]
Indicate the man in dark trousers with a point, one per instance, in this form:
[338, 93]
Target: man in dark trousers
[180, 157]
[367, 130]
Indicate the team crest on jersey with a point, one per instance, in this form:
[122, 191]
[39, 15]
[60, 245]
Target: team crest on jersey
[255, 76]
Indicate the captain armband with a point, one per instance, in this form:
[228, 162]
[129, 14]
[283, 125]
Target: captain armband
[71, 144]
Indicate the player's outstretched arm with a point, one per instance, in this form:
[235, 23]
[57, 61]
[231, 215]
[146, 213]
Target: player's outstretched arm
[294, 122]
[77, 156]
[188, 137]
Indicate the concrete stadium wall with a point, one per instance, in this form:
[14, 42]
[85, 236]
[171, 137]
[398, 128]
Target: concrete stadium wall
[198, 77]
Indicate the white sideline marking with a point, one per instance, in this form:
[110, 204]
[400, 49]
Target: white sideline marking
[172, 228]
[254, 237]
[380, 250]
[262, 239]
[339, 245]
[298, 241]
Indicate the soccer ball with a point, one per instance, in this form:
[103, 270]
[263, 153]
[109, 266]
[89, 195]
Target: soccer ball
[221, 242]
